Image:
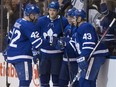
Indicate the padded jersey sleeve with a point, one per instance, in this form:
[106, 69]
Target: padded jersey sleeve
[33, 35]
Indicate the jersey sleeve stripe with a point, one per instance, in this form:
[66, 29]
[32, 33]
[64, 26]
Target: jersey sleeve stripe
[87, 48]
[9, 37]
[88, 43]
[101, 51]
[72, 44]
[11, 32]
[36, 41]
[110, 35]
[39, 43]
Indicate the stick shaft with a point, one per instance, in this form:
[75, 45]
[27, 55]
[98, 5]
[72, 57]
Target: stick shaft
[101, 38]
[75, 78]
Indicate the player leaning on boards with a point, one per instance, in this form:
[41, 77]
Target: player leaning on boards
[85, 41]
[21, 39]
[50, 28]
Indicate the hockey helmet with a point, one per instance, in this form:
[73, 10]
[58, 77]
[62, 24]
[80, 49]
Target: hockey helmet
[31, 9]
[75, 13]
[80, 13]
[54, 5]
[70, 12]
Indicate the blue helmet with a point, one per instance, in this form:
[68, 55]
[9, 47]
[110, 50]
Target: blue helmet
[75, 13]
[54, 5]
[80, 13]
[70, 12]
[31, 9]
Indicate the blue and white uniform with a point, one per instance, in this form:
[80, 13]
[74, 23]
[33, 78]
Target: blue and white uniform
[69, 67]
[51, 28]
[19, 48]
[51, 58]
[21, 39]
[86, 40]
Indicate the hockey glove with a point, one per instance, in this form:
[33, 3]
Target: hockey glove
[35, 56]
[5, 55]
[82, 63]
[61, 44]
[67, 33]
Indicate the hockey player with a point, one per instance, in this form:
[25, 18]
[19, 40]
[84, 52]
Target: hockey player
[69, 67]
[110, 38]
[22, 37]
[85, 41]
[70, 28]
[50, 27]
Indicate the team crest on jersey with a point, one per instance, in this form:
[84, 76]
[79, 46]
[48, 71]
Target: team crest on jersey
[49, 33]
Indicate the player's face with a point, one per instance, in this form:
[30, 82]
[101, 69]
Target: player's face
[69, 18]
[74, 20]
[34, 17]
[79, 20]
[53, 13]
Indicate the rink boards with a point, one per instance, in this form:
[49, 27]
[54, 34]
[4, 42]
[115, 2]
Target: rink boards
[106, 78]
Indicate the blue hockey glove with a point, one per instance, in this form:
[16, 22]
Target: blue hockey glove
[35, 59]
[82, 63]
[52, 40]
[5, 55]
[67, 33]
[35, 56]
[65, 39]
[61, 44]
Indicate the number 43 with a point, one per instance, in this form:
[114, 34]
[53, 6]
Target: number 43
[87, 36]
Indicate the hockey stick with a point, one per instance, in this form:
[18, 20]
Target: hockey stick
[87, 10]
[7, 83]
[114, 19]
[69, 68]
[60, 12]
[67, 55]
[62, 9]
[75, 78]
